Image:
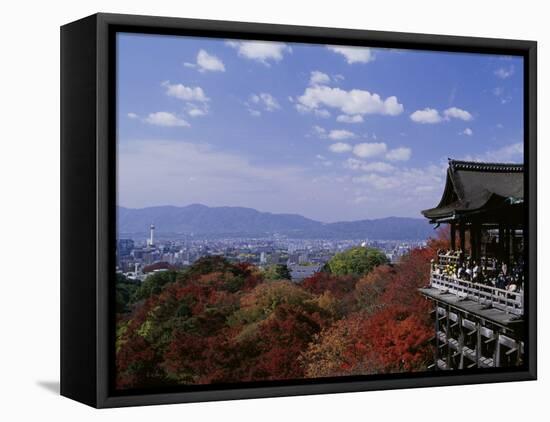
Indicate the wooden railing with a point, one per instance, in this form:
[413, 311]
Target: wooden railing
[509, 302]
[447, 259]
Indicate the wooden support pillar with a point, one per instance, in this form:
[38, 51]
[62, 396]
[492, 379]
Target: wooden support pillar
[514, 243]
[501, 249]
[448, 337]
[475, 241]
[460, 342]
[436, 349]
[507, 245]
[453, 236]
[496, 355]
[478, 345]
[462, 230]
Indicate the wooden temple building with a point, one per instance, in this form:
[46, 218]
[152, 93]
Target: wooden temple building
[479, 323]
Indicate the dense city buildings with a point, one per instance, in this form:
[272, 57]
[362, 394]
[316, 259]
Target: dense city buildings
[303, 257]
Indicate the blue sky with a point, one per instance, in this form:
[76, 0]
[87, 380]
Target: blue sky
[329, 132]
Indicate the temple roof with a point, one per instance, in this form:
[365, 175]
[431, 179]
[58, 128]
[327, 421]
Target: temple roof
[474, 187]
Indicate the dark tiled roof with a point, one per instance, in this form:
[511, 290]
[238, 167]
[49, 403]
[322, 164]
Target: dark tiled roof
[486, 167]
[475, 186]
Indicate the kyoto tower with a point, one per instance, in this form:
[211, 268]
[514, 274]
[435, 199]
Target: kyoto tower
[152, 235]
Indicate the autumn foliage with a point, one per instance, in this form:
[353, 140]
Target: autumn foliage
[219, 322]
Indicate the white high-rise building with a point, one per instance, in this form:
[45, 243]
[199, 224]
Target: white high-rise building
[151, 240]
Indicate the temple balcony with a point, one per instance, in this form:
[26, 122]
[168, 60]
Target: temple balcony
[489, 297]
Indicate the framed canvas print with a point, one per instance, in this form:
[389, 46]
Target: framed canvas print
[253, 210]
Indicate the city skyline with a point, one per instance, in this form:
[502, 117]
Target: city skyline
[330, 133]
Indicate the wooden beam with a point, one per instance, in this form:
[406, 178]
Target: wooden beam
[496, 355]
[461, 342]
[462, 230]
[448, 336]
[436, 348]
[501, 249]
[478, 243]
[453, 236]
[478, 345]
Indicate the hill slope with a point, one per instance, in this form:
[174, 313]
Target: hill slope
[239, 221]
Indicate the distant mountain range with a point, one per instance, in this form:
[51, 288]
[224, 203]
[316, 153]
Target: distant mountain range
[201, 220]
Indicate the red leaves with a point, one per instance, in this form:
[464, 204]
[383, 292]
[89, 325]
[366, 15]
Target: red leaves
[397, 339]
[283, 337]
[221, 322]
[320, 282]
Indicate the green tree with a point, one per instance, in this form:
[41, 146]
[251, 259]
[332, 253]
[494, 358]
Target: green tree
[125, 290]
[356, 261]
[153, 284]
[277, 272]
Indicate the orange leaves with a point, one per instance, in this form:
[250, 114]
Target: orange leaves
[320, 282]
[223, 322]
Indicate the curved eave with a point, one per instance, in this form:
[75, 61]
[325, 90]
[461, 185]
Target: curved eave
[451, 214]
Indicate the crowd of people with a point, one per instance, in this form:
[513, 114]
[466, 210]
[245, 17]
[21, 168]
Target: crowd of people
[489, 271]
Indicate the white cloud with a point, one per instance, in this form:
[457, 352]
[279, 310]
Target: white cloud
[196, 112]
[132, 115]
[377, 166]
[500, 93]
[157, 171]
[323, 160]
[426, 182]
[318, 112]
[399, 154]
[354, 54]
[360, 199]
[352, 102]
[208, 62]
[185, 93]
[265, 100]
[320, 131]
[512, 153]
[365, 150]
[340, 134]
[340, 147]
[261, 51]
[504, 72]
[334, 135]
[178, 172]
[318, 78]
[377, 181]
[322, 112]
[344, 118]
[254, 113]
[432, 115]
[426, 116]
[457, 113]
[164, 118]
[467, 132]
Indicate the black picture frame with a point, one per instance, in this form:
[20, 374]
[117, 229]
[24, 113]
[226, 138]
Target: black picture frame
[88, 130]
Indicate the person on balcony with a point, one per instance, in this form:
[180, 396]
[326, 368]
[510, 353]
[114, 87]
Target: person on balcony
[476, 273]
[462, 272]
[503, 277]
[469, 272]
